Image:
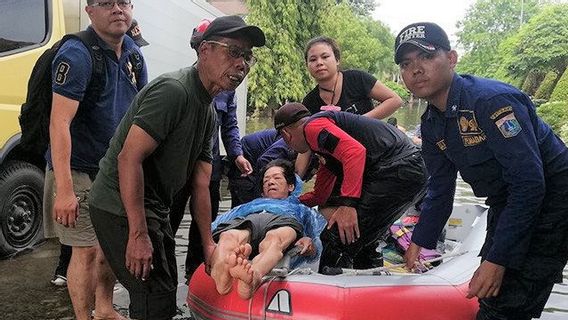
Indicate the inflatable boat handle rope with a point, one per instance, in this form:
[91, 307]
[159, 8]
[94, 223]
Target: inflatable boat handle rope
[386, 270]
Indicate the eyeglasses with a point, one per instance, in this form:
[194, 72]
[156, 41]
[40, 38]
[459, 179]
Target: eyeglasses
[122, 4]
[237, 52]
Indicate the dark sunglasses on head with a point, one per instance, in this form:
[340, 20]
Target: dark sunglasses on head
[237, 52]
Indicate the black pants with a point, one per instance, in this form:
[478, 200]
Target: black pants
[154, 298]
[243, 189]
[525, 291]
[64, 259]
[385, 195]
[194, 256]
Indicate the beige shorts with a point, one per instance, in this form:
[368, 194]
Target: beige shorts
[83, 234]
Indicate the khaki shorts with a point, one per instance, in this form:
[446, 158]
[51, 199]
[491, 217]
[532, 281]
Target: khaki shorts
[83, 235]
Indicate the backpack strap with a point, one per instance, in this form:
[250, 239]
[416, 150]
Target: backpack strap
[137, 66]
[98, 74]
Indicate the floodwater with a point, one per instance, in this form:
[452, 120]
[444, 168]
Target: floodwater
[28, 295]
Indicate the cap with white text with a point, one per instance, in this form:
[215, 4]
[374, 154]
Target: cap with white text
[426, 36]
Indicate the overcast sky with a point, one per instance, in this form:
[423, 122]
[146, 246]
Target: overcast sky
[399, 13]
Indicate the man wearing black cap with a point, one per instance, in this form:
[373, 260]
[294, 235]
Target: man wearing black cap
[225, 105]
[490, 133]
[369, 173]
[163, 141]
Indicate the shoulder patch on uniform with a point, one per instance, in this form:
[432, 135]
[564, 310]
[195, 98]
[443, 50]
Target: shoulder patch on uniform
[499, 112]
[327, 141]
[61, 73]
[509, 125]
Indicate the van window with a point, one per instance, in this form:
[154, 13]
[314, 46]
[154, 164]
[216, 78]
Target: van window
[22, 23]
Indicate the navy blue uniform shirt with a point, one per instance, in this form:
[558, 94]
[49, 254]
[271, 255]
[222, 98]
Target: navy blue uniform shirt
[226, 108]
[491, 134]
[263, 146]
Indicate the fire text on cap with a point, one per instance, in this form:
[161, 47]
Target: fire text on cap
[412, 33]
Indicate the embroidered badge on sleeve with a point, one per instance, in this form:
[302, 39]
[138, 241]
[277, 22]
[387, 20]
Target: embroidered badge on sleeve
[509, 125]
[61, 73]
[470, 131]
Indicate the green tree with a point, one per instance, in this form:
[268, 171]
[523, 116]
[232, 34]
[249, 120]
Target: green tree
[532, 81]
[546, 86]
[358, 48]
[275, 78]
[564, 133]
[360, 7]
[555, 114]
[542, 43]
[385, 67]
[398, 89]
[486, 24]
[560, 92]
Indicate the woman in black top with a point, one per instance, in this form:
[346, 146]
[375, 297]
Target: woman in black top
[350, 90]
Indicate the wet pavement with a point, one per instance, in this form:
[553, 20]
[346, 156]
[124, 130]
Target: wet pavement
[27, 293]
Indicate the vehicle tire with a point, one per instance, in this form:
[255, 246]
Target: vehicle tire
[21, 206]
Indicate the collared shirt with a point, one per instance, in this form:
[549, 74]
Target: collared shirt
[263, 146]
[96, 119]
[175, 110]
[491, 134]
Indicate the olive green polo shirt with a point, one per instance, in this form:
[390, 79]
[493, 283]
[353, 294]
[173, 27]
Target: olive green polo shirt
[176, 111]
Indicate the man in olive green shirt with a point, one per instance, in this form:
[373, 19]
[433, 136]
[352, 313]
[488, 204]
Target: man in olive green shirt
[163, 141]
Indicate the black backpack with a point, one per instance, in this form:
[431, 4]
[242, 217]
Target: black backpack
[35, 112]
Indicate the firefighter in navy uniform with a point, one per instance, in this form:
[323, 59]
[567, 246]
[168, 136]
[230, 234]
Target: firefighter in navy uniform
[490, 133]
[369, 173]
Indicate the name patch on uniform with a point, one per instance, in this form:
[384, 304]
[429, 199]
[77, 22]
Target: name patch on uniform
[442, 145]
[61, 73]
[499, 112]
[470, 131]
[509, 125]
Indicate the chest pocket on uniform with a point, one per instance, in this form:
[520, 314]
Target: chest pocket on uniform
[482, 171]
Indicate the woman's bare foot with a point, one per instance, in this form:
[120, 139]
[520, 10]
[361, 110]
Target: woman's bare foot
[242, 270]
[243, 251]
[220, 272]
[246, 289]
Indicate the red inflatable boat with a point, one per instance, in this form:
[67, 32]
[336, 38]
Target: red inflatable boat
[436, 294]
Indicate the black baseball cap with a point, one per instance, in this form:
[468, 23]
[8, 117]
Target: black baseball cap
[288, 114]
[135, 33]
[427, 36]
[197, 35]
[230, 26]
